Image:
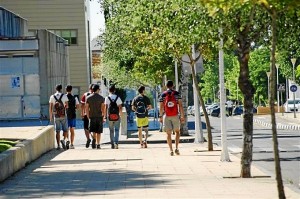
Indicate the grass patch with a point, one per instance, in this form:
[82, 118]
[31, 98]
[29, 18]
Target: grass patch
[6, 144]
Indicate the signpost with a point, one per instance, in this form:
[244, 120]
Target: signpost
[281, 89]
[293, 88]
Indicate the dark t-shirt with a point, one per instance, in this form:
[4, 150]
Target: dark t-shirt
[142, 98]
[95, 102]
[163, 95]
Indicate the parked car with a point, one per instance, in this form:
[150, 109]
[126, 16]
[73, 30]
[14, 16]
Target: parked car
[191, 110]
[215, 112]
[289, 105]
[238, 110]
[210, 108]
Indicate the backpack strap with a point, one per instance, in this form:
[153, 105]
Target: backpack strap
[112, 100]
[58, 100]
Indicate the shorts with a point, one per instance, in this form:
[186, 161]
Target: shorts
[142, 122]
[171, 123]
[72, 123]
[60, 123]
[85, 122]
[96, 125]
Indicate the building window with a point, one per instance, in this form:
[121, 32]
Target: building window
[69, 35]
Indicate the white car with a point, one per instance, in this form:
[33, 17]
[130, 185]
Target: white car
[289, 105]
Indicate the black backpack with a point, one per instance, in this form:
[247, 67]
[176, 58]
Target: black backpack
[59, 107]
[71, 111]
[141, 108]
[113, 110]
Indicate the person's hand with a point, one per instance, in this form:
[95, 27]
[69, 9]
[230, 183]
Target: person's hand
[182, 119]
[160, 119]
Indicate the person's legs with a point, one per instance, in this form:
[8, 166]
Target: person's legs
[86, 131]
[58, 139]
[111, 133]
[57, 127]
[117, 130]
[140, 136]
[169, 141]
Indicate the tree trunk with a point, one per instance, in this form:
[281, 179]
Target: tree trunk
[208, 127]
[248, 91]
[184, 94]
[273, 89]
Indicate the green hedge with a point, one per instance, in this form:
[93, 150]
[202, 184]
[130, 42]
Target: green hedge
[6, 144]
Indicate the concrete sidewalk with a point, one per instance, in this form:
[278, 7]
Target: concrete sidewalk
[132, 172]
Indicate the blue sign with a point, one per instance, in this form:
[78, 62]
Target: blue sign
[293, 88]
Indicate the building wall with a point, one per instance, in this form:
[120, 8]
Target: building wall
[61, 14]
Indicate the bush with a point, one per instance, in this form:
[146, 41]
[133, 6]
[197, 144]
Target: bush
[4, 147]
[6, 144]
[9, 142]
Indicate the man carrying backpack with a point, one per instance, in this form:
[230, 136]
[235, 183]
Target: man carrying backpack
[113, 112]
[171, 114]
[73, 104]
[140, 105]
[58, 103]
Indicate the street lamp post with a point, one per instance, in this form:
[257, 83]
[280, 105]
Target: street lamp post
[294, 62]
[278, 107]
[268, 74]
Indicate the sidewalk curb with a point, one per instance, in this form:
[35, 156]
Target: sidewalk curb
[278, 125]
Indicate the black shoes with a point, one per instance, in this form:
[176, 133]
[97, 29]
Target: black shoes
[87, 145]
[112, 146]
[98, 146]
[67, 144]
[94, 144]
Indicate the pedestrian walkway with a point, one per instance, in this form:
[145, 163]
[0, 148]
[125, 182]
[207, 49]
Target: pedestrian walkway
[132, 172]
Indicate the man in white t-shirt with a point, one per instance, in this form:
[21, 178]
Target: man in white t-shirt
[229, 107]
[113, 112]
[58, 103]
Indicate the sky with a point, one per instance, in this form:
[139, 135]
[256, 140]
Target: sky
[97, 18]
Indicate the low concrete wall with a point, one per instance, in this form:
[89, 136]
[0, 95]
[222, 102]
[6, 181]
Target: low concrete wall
[261, 110]
[26, 151]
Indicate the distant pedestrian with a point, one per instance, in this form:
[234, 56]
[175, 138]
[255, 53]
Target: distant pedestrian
[171, 114]
[229, 107]
[113, 112]
[73, 104]
[140, 105]
[58, 103]
[95, 109]
[84, 117]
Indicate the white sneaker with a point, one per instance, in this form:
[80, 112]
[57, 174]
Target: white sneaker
[72, 146]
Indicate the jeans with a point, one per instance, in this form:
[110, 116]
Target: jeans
[114, 127]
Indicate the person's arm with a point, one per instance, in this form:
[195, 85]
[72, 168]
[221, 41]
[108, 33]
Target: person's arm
[161, 111]
[82, 105]
[50, 111]
[133, 106]
[181, 110]
[103, 110]
[87, 110]
[77, 103]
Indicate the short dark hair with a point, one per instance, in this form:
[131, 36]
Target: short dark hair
[112, 88]
[91, 86]
[69, 88]
[58, 87]
[169, 84]
[95, 87]
[141, 89]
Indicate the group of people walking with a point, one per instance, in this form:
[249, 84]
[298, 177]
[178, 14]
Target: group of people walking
[96, 110]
